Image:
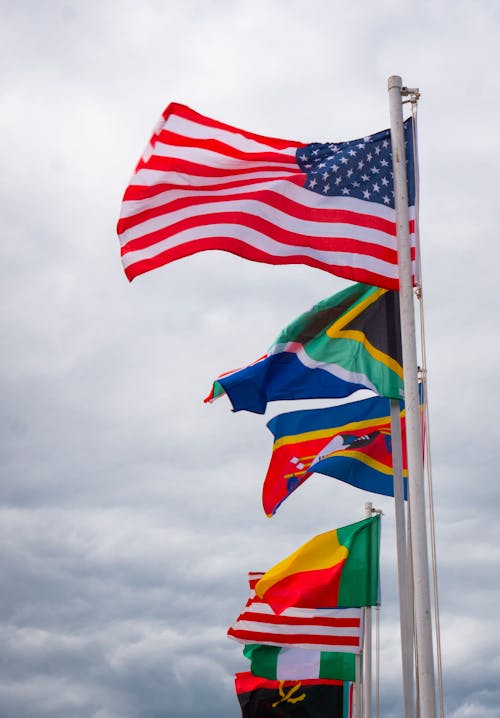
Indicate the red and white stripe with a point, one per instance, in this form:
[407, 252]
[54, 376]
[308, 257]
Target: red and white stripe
[322, 629]
[202, 184]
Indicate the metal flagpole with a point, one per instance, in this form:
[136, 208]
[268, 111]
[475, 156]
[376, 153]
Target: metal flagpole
[405, 614]
[356, 708]
[367, 645]
[416, 496]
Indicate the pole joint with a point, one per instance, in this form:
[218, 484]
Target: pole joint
[421, 374]
[412, 92]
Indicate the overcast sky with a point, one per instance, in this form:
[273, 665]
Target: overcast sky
[131, 510]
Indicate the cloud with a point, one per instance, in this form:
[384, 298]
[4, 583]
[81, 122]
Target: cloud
[131, 511]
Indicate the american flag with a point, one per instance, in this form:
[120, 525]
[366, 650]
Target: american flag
[202, 184]
[322, 629]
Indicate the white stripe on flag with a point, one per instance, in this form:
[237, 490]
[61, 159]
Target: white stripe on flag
[319, 629]
[297, 662]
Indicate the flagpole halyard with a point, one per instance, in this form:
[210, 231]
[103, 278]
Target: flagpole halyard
[416, 496]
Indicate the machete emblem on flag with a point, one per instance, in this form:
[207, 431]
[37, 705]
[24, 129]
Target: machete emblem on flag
[287, 697]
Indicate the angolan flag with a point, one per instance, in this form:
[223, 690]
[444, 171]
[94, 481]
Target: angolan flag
[202, 184]
[262, 698]
[321, 629]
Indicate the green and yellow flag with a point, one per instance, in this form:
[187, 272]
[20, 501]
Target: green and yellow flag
[339, 568]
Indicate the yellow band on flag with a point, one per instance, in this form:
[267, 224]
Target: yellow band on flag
[321, 552]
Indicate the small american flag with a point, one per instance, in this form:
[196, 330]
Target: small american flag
[202, 184]
[322, 629]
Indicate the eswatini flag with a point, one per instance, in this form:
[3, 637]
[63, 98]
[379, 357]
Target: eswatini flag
[337, 568]
[350, 442]
[202, 184]
[308, 698]
[347, 342]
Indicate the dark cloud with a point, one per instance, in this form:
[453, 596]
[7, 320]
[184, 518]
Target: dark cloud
[131, 511]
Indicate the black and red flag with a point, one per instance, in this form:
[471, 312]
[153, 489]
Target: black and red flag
[310, 698]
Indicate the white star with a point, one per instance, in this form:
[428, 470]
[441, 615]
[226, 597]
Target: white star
[325, 175]
[315, 152]
[313, 183]
[385, 144]
[365, 178]
[326, 188]
[361, 164]
[338, 181]
[345, 190]
[384, 163]
[350, 173]
[366, 194]
[321, 165]
[376, 188]
[375, 170]
[355, 184]
[361, 146]
[377, 150]
[369, 156]
[344, 160]
[385, 181]
[335, 168]
[352, 153]
[386, 199]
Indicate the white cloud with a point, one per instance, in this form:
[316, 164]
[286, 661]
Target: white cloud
[131, 510]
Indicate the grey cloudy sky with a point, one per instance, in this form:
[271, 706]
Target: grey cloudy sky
[130, 510]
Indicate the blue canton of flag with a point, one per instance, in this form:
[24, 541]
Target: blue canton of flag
[357, 168]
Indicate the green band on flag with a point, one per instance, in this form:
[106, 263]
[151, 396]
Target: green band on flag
[283, 663]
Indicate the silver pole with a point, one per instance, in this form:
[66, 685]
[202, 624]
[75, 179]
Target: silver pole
[367, 646]
[405, 614]
[423, 624]
[356, 709]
